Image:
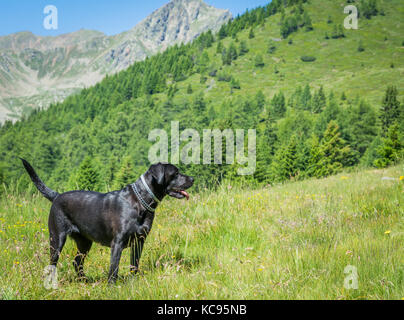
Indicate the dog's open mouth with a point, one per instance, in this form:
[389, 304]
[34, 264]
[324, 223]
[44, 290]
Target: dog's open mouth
[179, 194]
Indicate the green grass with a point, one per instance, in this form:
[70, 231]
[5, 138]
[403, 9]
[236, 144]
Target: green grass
[291, 241]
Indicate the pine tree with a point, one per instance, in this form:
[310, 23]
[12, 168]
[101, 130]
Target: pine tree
[391, 150]
[278, 106]
[335, 153]
[362, 127]
[125, 175]
[222, 32]
[265, 152]
[219, 47]
[243, 49]
[319, 101]
[315, 157]
[232, 52]
[226, 57]
[390, 109]
[307, 22]
[87, 176]
[285, 164]
[305, 98]
[251, 35]
[259, 61]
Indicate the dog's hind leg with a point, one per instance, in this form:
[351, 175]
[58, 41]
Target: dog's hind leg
[83, 247]
[59, 229]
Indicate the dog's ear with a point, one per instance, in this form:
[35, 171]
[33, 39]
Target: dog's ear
[158, 174]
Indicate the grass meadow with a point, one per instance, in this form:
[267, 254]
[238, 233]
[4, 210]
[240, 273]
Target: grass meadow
[291, 241]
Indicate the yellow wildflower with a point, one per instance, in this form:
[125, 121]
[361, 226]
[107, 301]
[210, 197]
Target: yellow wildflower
[388, 232]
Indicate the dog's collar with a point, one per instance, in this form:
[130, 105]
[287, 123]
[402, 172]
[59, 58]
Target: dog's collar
[142, 201]
[148, 189]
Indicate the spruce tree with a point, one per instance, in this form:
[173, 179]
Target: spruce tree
[285, 164]
[335, 152]
[243, 49]
[315, 157]
[232, 52]
[361, 127]
[251, 35]
[319, 101]
[278, 106]
[390, 109]
[259, 61]
[391, 150]
[125, 175]
[305, 98]
[307, 22]
[267, 140]
[87, 176]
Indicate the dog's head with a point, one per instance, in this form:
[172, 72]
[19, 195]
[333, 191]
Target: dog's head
[168, 180]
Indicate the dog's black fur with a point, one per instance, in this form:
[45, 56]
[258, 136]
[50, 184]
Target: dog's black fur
[116, 219]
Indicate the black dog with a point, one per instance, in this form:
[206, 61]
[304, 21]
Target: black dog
[117, 219]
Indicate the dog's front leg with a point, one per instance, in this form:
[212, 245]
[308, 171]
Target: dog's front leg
[116, 252]
[135, 254]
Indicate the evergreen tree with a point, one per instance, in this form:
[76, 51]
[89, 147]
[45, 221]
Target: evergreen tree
[307, 22]
[87, 176]
[125, 175]
[222, 32]
[316, 154]
[267, 140]
[285, 164]
[371, 154]
[189, 89]
[332, 111]
[232, 52]
[319, 101]
[243, 49]
[335, 153]
[278, 106]
[305, 99]
[251, 35]
[361, 127]
[259, 61]
[390, 109]
[260, 101]
[226, 57]
[391, 150]
[219, 47]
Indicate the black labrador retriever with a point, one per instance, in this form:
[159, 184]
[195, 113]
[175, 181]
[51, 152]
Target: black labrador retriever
[117, 219]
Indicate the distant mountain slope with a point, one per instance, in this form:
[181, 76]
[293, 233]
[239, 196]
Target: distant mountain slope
[35, 71]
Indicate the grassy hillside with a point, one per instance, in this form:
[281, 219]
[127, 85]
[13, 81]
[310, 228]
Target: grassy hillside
[339, 66]
[292, 241]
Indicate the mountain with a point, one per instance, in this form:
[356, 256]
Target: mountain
[36, 71]
[321, 98]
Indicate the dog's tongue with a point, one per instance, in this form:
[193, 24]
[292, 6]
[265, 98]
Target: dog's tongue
[185, 194]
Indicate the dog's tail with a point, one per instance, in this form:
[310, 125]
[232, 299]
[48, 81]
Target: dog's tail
[48, 193]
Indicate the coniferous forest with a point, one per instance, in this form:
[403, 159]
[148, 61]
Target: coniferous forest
[98, 139]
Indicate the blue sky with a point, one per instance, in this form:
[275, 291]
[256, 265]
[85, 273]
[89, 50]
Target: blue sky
[108, 16]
